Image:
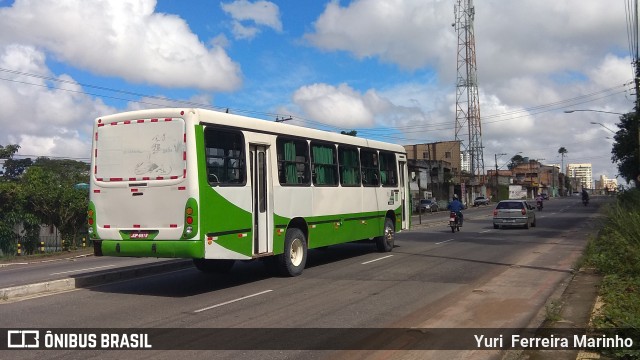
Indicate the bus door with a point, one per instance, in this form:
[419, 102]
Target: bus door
[261, 195]
[404, 191]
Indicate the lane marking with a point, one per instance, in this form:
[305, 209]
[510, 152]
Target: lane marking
[370, 261]
[232, 301]
[91, 268]
[442, 242]
[485, 231]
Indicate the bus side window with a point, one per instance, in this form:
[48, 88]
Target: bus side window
[224, 152]
[369, 164]
[350, 174]
[388, 173]
[293, 161]
[324, 164]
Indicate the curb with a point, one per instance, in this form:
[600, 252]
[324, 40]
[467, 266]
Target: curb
[86, 281]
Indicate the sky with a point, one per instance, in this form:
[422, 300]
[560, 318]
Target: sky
[386, 68]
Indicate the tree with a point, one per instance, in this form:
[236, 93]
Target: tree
[562, 151]
[625, 148]
[350, 133]
[7, 152]
[515, 161]
[14, 168]
[52, 196]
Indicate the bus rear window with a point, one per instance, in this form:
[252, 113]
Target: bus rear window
[147, 149]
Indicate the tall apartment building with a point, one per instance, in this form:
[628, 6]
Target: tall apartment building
[580, 176]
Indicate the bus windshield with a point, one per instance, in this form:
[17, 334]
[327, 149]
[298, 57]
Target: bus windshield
[148, 149]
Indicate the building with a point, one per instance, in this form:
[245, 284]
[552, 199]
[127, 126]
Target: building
[580, 176]
[448, 151]
[605, 184]
[434, 166]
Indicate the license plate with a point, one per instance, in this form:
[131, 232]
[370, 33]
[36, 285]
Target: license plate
[452, 219]
[509, 221]
[139, 235]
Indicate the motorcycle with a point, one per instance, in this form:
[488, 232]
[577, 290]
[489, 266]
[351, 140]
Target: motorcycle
[454, 221]
[539, 205]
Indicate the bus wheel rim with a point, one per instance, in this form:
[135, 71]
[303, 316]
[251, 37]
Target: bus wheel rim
[296, 252]
[388, 234]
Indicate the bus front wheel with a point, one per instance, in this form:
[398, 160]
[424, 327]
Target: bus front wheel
[213, 265]
[384, 243]
[292, 261]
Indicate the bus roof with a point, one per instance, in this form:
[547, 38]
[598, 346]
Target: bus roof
[252, 124]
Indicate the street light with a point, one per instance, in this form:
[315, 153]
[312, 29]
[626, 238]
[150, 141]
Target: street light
[601, 124]
[589, 110]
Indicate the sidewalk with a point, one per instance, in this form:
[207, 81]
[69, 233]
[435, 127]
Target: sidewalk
[46, 257]
[571, 309]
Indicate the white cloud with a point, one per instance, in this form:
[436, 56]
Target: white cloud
[120, 38]
[44, 114]
[410, 33]
[261, 13]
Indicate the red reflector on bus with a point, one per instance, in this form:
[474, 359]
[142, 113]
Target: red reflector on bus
[96, 191]
[173, 225]
[140, 121]
[154, 120]
[107, 226]
[127, 122]
[115, 179]
[136, 226]
[182, 188]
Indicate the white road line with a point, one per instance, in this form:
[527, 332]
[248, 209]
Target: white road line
[370, 261]
[485, 231]
[442, 242]
[232, 301]
[72, 271]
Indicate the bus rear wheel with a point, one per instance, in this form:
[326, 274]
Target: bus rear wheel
[213, 265]
[294, 258]
[384, 243]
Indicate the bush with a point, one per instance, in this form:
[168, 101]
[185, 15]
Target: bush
[616, 250]
[616, 254]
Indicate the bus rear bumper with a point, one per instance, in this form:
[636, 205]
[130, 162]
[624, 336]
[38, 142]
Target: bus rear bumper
[187, 249]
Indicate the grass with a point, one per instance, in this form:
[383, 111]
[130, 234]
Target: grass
[615, 253]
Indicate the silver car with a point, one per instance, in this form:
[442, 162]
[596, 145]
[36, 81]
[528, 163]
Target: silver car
[516, 213]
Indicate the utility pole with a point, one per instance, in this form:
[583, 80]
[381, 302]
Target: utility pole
[467, 102]
[497, 192]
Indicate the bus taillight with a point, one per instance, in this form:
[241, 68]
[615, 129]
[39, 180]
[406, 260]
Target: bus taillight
[190, 218]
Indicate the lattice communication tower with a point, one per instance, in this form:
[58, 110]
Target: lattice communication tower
[467, 103]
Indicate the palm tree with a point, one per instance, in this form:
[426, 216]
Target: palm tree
[562, 151]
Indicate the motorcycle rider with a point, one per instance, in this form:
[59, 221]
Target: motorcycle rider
[585, 195]
[539, 201]
[456, 206]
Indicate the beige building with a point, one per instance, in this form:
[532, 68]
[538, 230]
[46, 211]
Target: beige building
[607, 184]
[448, 151]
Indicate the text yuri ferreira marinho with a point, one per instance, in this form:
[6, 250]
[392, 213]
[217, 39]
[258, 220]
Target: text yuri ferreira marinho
[516, 341]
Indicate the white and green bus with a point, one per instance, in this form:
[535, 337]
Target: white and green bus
[218, 187]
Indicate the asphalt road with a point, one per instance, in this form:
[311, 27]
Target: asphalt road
[479, 277]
